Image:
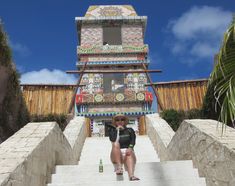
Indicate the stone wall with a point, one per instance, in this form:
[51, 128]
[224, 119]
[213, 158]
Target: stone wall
[28, 157]
[200, 140]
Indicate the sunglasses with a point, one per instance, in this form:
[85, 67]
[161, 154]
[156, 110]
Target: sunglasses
[120, 119]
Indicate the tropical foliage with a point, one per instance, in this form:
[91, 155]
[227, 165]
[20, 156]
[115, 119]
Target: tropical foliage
[223, 77]
[13, 110]
[61, 119]
[175, 117]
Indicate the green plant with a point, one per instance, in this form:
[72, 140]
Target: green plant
[173, 117]
[193, 114]
[61, 119]
[13, 110]
[209, 102]
[223, 78]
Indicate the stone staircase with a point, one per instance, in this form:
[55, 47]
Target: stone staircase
[150, 171]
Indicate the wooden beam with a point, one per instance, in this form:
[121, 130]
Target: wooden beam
[111, 71]
[154, 89]
[71, 106]
[180, 81]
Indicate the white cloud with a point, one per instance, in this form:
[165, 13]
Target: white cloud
[20, 49]
[178, 48]
[199, 20]
[46, 76]
[197, 33]
[202, 50]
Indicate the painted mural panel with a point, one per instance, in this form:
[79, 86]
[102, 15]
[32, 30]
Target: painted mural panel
[135, 82]
[113, 83]
[93, 83]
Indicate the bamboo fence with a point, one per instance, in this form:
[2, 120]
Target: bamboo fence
[182, 95]
[48, 99]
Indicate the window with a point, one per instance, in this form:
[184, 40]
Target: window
[112, 36]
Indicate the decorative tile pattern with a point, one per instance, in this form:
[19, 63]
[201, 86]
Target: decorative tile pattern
[132, 35]
[112, 49]
[91, 35]
[109, 97]
[110, 10]
[114, 62]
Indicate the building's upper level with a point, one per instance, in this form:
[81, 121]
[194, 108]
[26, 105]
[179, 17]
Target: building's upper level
[104, 27]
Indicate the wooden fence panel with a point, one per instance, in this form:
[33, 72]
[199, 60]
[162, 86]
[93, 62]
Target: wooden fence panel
[182, 95]
[48, 99]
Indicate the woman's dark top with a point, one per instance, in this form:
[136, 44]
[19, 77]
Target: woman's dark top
[126, 137]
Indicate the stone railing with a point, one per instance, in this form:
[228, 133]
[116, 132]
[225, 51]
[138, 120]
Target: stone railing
[160, 134]
[201, 141]
[28, 157]
[76, 134]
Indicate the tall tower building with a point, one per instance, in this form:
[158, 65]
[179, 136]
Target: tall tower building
[111, 38]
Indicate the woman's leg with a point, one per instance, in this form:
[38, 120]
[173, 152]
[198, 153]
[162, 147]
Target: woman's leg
[116, 158]
[130, 161]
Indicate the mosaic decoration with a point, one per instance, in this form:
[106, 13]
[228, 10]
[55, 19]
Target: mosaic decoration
[88, 98]
[107, 83]
[98, 98]
[110, 10]
[136, 82]
[112, 97]
[119, 97]
[112, 49]
[140, 96]
[93, 83]
[112, 57]
[109, 97]
[114, 62]
[98, 113]
[141, 77]
[130, 96]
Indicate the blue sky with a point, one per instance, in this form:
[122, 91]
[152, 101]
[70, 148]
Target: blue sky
[183, 36]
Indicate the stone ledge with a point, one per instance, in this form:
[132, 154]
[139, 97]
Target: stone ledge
[76, 134]
[200, 140]
[160, 133]
[28, 157]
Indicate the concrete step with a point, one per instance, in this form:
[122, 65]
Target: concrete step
[96, 148]
[67, 169]
[155, 182]
[148, 168]
[147, 171]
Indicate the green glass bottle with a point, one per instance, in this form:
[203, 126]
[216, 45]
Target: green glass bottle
[101, 168]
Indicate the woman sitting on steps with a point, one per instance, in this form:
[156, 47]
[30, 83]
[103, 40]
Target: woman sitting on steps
[123, 142]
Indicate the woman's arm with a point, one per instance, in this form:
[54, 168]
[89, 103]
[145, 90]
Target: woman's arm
[133, 137]
[112, 134]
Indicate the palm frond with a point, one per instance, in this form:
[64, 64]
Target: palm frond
[223, 76]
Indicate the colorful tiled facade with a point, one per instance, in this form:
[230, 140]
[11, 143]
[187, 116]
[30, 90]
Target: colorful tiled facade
[112, 38]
